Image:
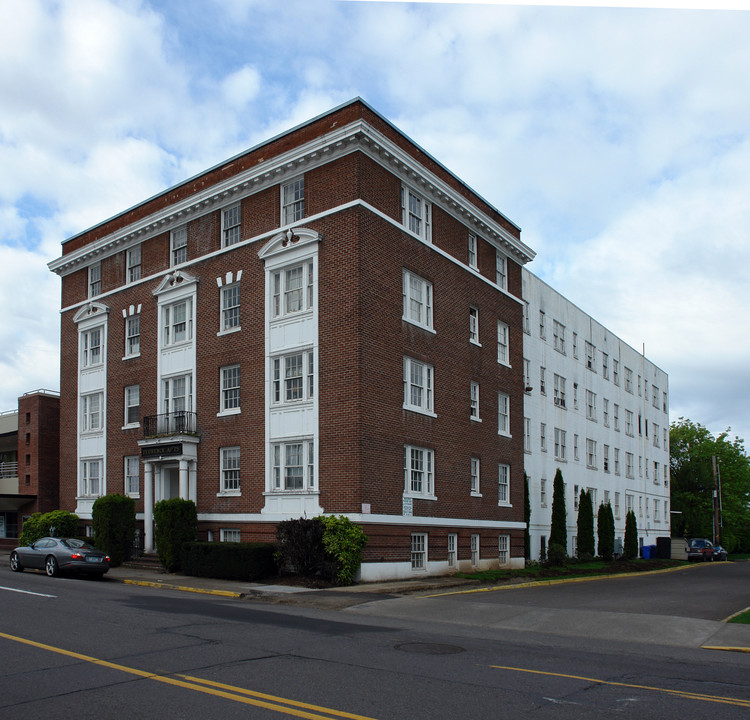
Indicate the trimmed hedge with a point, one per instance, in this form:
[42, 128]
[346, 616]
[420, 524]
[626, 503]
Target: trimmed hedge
[113, 518]
[229, 561]
[40, 525]
[176, 523]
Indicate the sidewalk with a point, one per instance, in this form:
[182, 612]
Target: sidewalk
[334, 598]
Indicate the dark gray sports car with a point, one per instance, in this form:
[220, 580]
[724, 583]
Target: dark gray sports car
[55, 555]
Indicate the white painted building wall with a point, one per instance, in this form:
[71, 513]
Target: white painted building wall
[600, 380]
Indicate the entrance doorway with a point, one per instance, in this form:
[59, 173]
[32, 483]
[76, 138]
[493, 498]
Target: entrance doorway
[170, 482]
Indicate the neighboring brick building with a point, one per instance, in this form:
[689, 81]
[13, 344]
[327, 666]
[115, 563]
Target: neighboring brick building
[330, 322]
[29, 460]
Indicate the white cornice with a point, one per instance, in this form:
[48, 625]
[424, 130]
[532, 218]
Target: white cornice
[358, 135]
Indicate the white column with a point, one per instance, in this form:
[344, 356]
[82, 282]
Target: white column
[148, 507]
[184, 479]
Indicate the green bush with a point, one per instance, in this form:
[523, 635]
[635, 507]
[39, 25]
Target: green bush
[229, 561]
[585, 527]
[40, 525]
[344, 540]
[559, 530]
[300, 550]
[176, 523]
[113, 518]
[556, 554]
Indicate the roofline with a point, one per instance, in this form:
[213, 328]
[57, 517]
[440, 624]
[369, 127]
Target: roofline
[280, 135]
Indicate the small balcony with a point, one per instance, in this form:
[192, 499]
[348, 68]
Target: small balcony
[166, 424]
[8, 469]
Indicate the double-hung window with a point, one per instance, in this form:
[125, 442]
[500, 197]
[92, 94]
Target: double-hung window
[419, 551]
[501, 270]
[629, 380]
[558, 336]
[503, 351]
[230, 389]
[474, 401]
[415, 213]
[178, 322]
[91, 347]
[419, 472]
[503, 484]
[418, 386]
[132, 405]
[293, 466]
[560, 436]
[231, 226]
[452, 549]
[293, 377]
[132, 475]
[132, 335]
[293, 201]
[503, 549]
[590, 356]
[417, 296]
[91, 478]
[590, 405]
[590, 453]
[230, 470]
[559, 389]
[292, 290]
[91, 412]
[134, 264]
[605, 366]
[472, 251]
[230, 307]
[503, 414]
[474, 549]
[178, 243]
[475, 476]
[474, 325]
[95, 280]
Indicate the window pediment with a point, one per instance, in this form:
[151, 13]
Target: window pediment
[91, 311]
[176, 280]
[285, 242]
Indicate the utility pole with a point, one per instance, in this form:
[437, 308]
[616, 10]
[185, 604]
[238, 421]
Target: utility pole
[717, 526]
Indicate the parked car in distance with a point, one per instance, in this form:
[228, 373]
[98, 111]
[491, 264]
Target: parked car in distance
[699, 549]
[720, 553]
[55, 555]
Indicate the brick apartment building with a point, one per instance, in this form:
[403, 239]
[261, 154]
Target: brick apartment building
[330, 322]
[29, 461]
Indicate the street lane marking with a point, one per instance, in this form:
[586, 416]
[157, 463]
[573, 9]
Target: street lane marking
[26, 592]
[687, 695]
[228, 692]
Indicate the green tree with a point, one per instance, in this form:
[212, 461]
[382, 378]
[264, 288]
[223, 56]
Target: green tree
[526, 517]
[559, 530]
[585, 526]
[176, 523]
[692, 448]
[630, 545]
[605, 528]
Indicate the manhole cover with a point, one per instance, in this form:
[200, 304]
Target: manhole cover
[429, 648]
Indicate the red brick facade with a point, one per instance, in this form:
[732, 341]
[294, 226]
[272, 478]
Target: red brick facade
[353, 206]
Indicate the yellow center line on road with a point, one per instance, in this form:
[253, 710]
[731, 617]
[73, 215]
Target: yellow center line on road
[687, 695]
[228, 692]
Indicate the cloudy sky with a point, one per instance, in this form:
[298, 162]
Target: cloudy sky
[617, 138]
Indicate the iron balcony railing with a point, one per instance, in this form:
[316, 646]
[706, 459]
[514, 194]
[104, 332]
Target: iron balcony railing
[8, 469]
[174, 423]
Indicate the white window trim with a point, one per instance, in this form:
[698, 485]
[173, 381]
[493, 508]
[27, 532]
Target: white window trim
[503, 343]
[86, 413]
[428, 470]
[426, 303]
[132, 254]
[473, 252]
[85, 347]
[225, 228]
[474, 326]
[503, 472]
[228, 535]
[475, 472]
[503, 399]
[83, 472]
[178, 234]
[419, 552]
[292, 211]
[474, 402]
[225, 491]
[277, 475]
[424, 218]
[427, 407]
[223, 409]
[280, 292]
[128, 492]
[224, 327]
[126, 424]
[129, 319]
[278, 379]
[503, 549]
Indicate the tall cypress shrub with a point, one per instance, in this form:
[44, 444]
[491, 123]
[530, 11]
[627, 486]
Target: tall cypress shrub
[526, 517]
[606, 532]
[559, 531]
[585, 526]
[630, 549]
